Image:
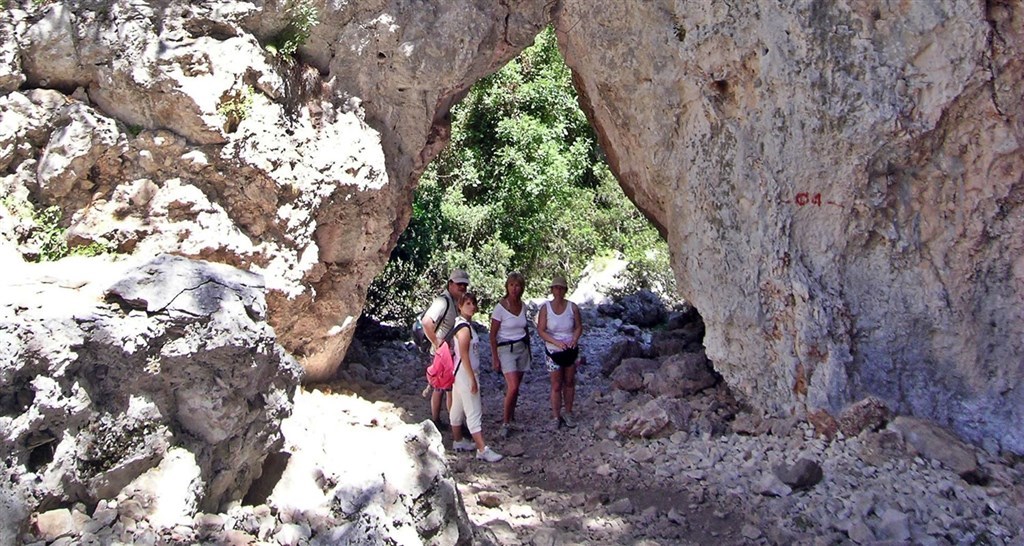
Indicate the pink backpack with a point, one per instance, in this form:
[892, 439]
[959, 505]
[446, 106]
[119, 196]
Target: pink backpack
[441, 371]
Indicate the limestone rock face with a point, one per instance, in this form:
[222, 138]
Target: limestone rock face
[168, 126]
[840, 185]
[170, 392]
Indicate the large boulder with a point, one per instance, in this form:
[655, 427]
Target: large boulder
[166, 385]
[644, 308]
[618, 352]
[631, 374]
[928, 440]
[364, 476]
[688, 338]
[681, 375]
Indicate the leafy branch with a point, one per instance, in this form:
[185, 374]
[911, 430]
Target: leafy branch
[302, 17]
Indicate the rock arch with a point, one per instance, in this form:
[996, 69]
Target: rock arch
[841, 185]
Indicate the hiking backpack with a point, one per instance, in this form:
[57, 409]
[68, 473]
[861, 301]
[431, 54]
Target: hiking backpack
[419, 337]
[441, 371]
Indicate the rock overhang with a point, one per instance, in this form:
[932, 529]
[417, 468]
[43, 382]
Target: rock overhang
[839, 185]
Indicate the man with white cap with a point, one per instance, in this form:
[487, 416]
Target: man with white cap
[438, 320]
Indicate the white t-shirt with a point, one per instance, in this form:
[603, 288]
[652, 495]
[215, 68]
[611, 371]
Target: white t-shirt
[474, 346]
[513, 327]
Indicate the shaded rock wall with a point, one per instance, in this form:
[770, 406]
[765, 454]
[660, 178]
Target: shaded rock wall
[841, 187]
[840, 184]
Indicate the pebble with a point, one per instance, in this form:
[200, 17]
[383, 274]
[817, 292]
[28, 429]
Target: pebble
[489, 500]
[860, 532]
[750, 532]
[621, 507]
[290, 534]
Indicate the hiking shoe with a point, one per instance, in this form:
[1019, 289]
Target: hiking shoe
[489, 455]
[569, 420]
[463, 445]
[505, 431]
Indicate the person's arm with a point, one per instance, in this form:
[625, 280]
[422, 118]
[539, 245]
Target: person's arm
[430, 330]
[464, 337]
[438, 307]
[577, 332]
[495, 325]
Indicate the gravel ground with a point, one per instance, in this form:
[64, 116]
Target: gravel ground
[589, 485]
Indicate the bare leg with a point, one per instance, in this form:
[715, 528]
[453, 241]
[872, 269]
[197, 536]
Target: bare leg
[478, 438]
[512, 381]
[569, 387]
[435, 405]
[556, 393]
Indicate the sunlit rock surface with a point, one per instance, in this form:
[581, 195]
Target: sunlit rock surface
[159, 382]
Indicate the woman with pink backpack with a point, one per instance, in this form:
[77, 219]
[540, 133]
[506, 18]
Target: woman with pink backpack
[465, 397]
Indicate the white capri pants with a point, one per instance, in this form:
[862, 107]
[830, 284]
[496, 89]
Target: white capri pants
[466, 406]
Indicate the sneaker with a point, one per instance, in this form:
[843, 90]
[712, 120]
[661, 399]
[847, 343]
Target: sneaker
[489, 455]
[464, 445]
[569, 420]
[557, 424]
[506, 431]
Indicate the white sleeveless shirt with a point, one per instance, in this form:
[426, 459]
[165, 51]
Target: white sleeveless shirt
[560, 327]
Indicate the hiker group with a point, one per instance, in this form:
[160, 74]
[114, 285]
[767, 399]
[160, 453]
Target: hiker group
[446, 332]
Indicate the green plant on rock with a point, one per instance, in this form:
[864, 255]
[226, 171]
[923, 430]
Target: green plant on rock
[302, 17]
[95, 248]
[48, 235]
[17, 207]
[236, 108]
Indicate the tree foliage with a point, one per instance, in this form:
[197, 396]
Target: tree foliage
[522, 186]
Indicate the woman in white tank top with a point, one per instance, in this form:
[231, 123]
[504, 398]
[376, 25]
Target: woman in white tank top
[560, 326]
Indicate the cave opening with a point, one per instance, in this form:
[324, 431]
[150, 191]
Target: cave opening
[524, 186]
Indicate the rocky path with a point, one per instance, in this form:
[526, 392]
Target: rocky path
[590, 485]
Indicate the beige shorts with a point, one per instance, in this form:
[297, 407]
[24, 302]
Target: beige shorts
[514, 357]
